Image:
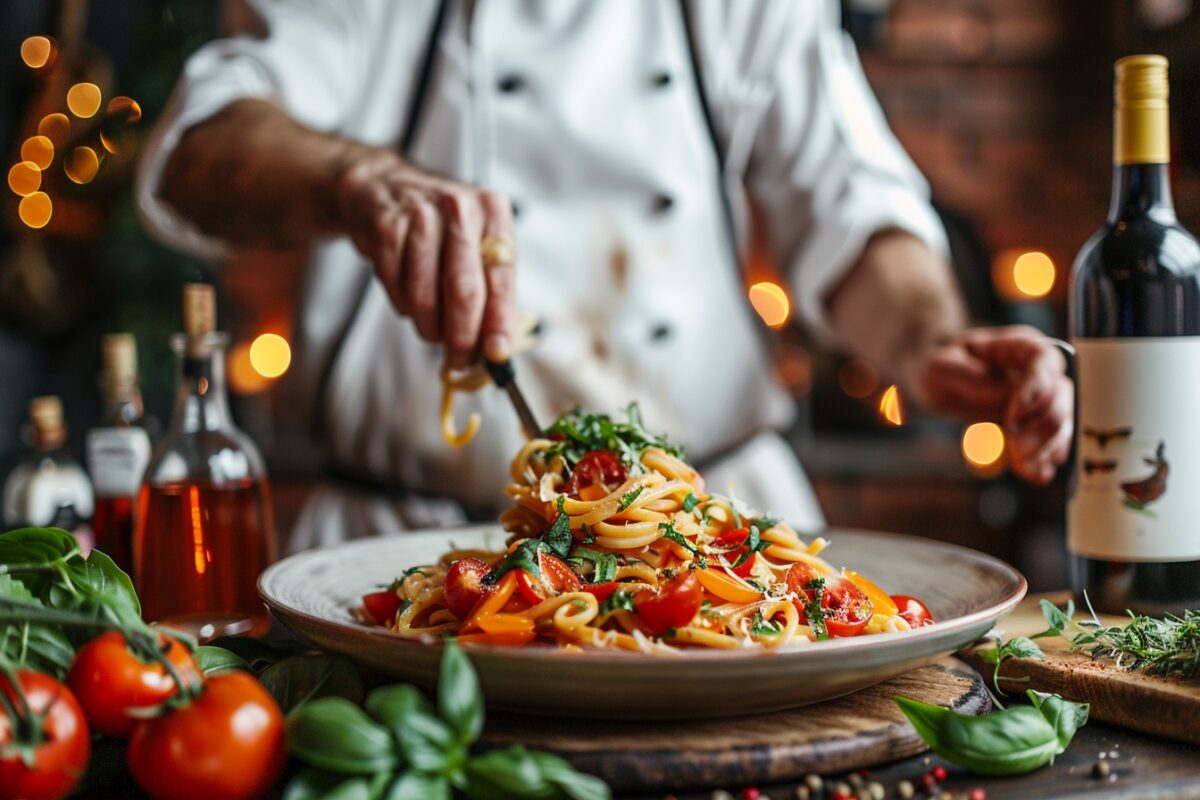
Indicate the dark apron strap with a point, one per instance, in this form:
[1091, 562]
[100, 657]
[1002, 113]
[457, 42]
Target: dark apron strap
[412, 126]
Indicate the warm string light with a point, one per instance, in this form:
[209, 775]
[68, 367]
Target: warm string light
[983, 444]
[771, 302]
[890, 407]
[37, 52]
[82, 165]
[36, 209]
[858, 378]
[24, 178]
[270, 355]
[84, 100]
[1021, 275]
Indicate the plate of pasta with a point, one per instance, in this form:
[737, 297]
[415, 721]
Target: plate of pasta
[617, 584]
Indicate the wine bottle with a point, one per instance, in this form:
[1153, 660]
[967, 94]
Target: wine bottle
[118, 450]
[204, 528]
[1133, 518]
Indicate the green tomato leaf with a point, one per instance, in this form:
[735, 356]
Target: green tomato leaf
[215, 660]
[313, 784]
[414, 785]
[299, 679]
[460, 701]
[1009, 741]
[334, 734]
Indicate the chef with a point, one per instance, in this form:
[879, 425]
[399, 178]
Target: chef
[454, 163]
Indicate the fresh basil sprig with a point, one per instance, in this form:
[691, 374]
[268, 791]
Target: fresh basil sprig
[402, 748]
[1007, 741]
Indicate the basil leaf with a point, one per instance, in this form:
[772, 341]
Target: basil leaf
[257, 653]
[428, 744]
[605, 563]
[764, 627]
[313, 784]
[334, 734]
[1008, 741]
[690, 502]
[303, 678]
[1056, 618]
[1022, 647]
[557, 538]
[1064, 716]
[42, 646]
[582, 431]
[813, 610]
[414, 785]
[510, 772]
[628, 498]
[669, 532]
[618, 599]
[392, 705]
[460, 701]
[525, 557]
[571, 784]
[215, 660]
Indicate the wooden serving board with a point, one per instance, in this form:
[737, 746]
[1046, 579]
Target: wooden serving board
[1131, 699]
[853, 732]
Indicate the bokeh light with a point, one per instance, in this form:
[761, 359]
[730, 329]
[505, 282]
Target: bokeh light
[24, 178]
[1033, 274]
[771, 302]
[81, 165]
[858, 378]
[983, 444]
[37, 51]
[793, 366]
[121, 111]
[270, 355]
[55, 127]
[36, 209]
[243, 378]
[84, 99]
[889, 406]
[39, 150]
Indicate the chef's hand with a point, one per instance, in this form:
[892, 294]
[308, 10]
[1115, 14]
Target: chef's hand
[423, 233]
[1015, 376]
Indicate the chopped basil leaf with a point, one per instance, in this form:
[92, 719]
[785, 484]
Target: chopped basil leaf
[618, 599]
[690, 502]
[628, 498]
[404, 604]
[763, 524]
[412, 570]
[765, 627]
[558, 538]
[758, 586]
[669, 532]
[813, 610]
[525, 557]
[588, 537]
[605, 563]
[582, 431]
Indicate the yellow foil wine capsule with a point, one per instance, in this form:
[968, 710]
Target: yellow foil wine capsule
[39, 150]
[36, 210]
[24, 178]
[84, 99]
[81, 166]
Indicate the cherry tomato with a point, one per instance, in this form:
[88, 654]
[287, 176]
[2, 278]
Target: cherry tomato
[601, 591]
[733, 543]
[227, 744]
[555, 579]
[846, 609]
[464, 585]
[673, 606]
[914, 612]
[109, 680]
[596, 467]
[61, 756]
[381, 606]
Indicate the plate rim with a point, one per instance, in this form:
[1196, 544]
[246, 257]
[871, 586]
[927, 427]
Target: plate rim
[833, 647]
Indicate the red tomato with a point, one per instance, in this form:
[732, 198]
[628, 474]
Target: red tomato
[61, 757]
[464, 585]
[109, 680]
[847, 609]
[381, 606]
[914, 612]
[602, 591]
[673, 606]
[732, 543]
[555, 579]
[227, 744]
[596, 466]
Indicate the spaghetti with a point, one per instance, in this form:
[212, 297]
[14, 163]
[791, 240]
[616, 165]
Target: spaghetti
[615, 543]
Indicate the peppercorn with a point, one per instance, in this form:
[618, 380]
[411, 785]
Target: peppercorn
[939, 773]
[905, 790]
[814, 782]
[1101, 769]
[751, 793]
[927, 781]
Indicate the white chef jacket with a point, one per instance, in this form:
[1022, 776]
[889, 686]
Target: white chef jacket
[586, 113]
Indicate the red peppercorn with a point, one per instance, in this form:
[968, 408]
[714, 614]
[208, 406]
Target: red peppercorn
[839, 796]
[927, 781]
[977, 794]
[751, 793]
[939, 773]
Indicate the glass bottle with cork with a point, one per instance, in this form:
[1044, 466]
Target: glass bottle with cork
[118, 450]
[205, 528]
[49, 487]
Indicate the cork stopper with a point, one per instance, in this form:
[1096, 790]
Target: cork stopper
[199, 317]
[119, 354]
[46, 414]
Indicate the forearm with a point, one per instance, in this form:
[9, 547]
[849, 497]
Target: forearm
[896, 305]
[253, 176]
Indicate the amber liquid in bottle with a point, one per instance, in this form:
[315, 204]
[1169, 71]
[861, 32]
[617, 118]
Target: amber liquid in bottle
[112, 523]
[205, 528]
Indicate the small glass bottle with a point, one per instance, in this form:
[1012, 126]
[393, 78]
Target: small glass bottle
[49, 487]
[118, 450]
[205, 528]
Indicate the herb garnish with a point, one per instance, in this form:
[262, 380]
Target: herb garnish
[605, 563]
[813, 610]
[556, 540]
[669, 532]
[619, 599]
[628, 498]
[690, 502]
[582, 431]
[754, 541]
[764, 627]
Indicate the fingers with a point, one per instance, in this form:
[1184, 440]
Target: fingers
[500, 308]
[422, 265]
[463, 287]
[957, 384]
[1038, 448]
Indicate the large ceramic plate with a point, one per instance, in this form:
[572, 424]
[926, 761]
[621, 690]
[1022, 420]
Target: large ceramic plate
[314, 594]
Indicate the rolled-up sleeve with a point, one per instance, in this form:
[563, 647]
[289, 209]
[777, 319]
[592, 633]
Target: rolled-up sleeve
[311, 62]
[825, 169]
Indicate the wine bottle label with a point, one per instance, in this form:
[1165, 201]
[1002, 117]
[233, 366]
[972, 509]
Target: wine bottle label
[116, 459]
[1138, 457]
